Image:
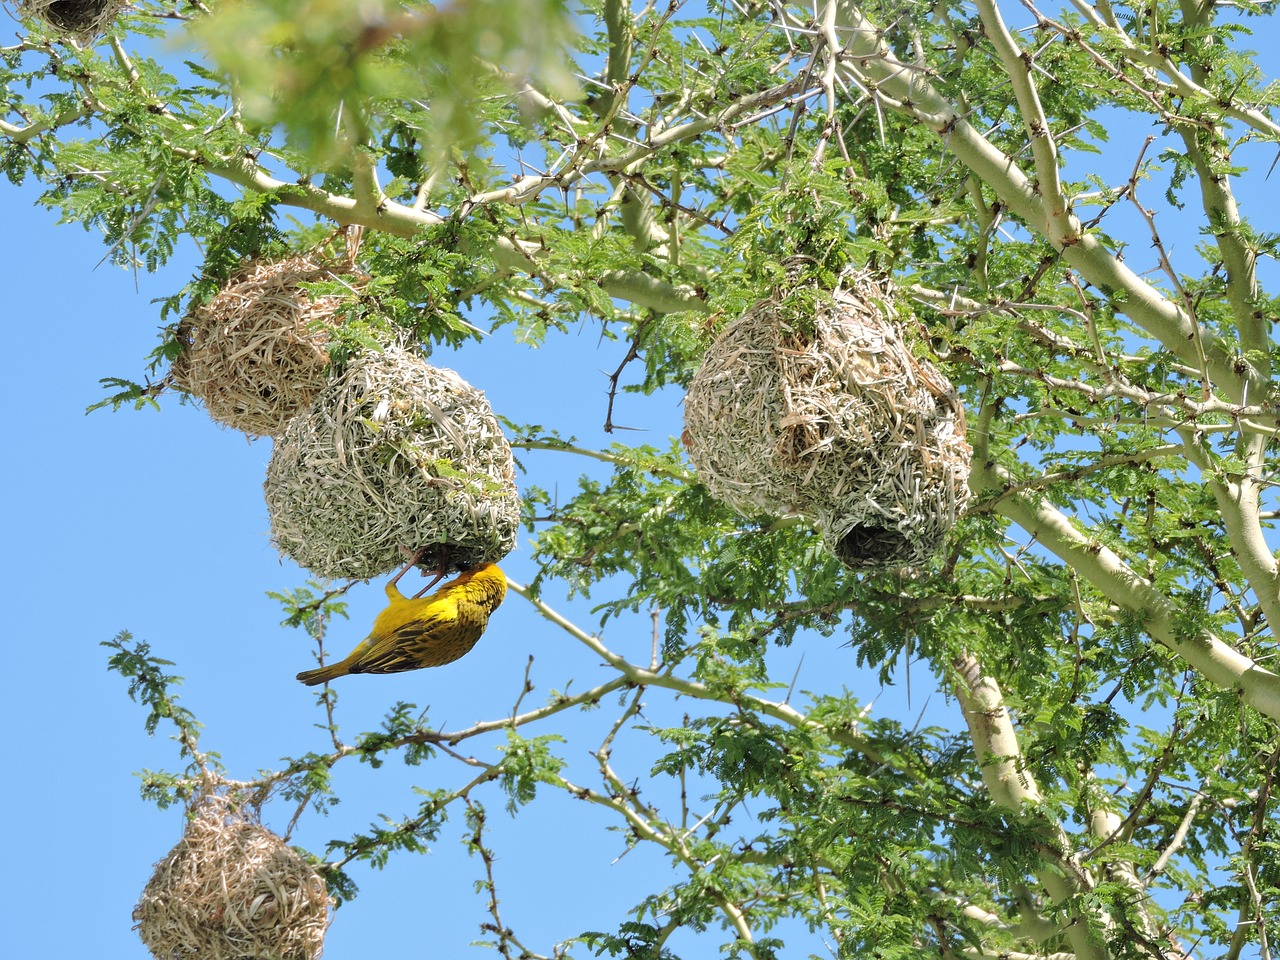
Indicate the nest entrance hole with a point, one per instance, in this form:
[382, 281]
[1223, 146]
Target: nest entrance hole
[447, 558]
[78, 17]
[868, 546]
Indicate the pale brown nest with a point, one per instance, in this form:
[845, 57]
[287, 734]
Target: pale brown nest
[79, 18]
[232, 890]
[395, 453]
[830, 416]
[256, 354]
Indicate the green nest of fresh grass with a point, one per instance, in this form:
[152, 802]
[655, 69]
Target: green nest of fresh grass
[78, 18]
[256, 354]
[395, 455]
[232, 890]
[829, 415]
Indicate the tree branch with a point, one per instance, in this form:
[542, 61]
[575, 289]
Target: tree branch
[1219, 663]
[1177, 82]
[907, 90]
[650, 678]
[1009, 782]
[1061, 226]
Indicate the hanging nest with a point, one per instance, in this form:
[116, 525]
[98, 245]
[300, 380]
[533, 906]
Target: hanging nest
[232, 890]
[830, 416]
[394, 453]
[78, 18]
[256, 354]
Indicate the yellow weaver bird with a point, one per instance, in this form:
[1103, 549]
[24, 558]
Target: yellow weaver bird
[426, 631]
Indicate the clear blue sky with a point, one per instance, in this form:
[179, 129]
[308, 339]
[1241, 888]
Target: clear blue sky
[155, 523]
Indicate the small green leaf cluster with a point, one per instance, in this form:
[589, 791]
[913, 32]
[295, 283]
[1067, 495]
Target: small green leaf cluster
[318, 67]
[527, 762]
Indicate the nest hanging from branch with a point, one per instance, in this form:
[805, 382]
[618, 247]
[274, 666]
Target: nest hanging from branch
[78, 18]
[256, 354]
[232, 890]
[830, 416]
[394, 453]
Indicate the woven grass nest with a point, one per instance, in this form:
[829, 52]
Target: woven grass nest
[232, 890]
[830, 416]
[256, 354]
[80, 18]
[395, 453]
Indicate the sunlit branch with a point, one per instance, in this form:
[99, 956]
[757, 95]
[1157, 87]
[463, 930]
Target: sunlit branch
[405, 221]
[1033, 929]
[1177, 80]
[971, 954]
[1180, 834]
[908, 91]
[1249, 867]
[1011, 786]
[1046, 480]
[1017, 66]
[1239, 498]
[1215, 660]
[22, 135]
[1104, 823]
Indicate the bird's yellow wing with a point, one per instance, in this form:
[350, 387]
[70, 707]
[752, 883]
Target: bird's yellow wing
[396, 649]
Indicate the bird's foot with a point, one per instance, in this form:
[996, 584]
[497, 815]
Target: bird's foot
[414, 559]
[441, 570]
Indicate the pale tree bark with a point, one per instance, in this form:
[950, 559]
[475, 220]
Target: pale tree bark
[1012, 787]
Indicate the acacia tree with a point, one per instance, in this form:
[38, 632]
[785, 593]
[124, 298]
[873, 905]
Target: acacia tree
[653, 169]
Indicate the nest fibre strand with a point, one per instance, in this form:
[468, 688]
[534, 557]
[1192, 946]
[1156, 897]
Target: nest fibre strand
[394, 453]
[830, 416]
[78, 18]
[256, 354]
[232, 890]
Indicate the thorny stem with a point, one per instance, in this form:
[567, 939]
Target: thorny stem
[446, 738]
[1220, 663]
[906, 90]
[634, 674]
[627, 805]
[620, 459]
[506, 937]
[312, 606]
[1017, 63]
[462, 793]
[328, 695]
[633, 353]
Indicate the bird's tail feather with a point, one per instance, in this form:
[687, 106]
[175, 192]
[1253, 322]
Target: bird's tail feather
[313, 678]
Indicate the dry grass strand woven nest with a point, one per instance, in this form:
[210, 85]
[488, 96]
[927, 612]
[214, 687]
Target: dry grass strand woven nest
[830, 416]
[920, 489]
[232, 890]
[256, 354]
[393, 453]
[79, 18]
